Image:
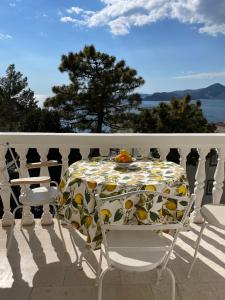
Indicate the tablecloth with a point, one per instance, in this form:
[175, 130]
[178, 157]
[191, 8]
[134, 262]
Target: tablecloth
[84, 179]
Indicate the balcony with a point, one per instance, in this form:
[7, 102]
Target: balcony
[38, 267]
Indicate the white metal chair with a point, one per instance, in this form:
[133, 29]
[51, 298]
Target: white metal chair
[214, 215]
[138, 248]
[45, 194]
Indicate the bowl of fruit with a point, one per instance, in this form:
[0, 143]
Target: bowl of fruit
[124, 159]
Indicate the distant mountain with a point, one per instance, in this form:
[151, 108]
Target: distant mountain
[214, 91]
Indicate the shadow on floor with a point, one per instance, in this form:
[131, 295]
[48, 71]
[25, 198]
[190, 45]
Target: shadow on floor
[39, 269]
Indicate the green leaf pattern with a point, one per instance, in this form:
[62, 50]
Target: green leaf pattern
[163, 176]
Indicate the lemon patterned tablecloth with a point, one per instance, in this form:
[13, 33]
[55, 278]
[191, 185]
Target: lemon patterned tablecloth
[84, 179]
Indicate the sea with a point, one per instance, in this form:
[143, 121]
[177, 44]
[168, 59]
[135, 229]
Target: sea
[213, 109]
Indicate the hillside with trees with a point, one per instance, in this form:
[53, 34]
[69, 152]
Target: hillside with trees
[214, 91]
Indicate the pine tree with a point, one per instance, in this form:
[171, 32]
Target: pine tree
[41, 120]
[100, 91]
[16, 100]
[179, 115]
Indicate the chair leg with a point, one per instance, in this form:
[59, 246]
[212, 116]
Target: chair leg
[196, 249]
[173, 283]
[79, 263]
[99, 269]
[100, 283]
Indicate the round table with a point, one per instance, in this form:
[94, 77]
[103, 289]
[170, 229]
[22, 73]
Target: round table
[84, 179]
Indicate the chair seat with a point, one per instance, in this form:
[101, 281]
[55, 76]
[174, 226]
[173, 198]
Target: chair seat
[39, 196]
[137, 250]
[214, 214]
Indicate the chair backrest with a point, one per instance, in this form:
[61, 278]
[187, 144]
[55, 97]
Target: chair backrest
[13, 163]
[24, 181]
[160, 224]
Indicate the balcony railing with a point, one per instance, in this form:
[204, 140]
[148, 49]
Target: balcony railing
[142, 142]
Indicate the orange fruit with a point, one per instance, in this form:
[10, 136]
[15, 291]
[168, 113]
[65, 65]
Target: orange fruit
[123, 158]
[124, 152]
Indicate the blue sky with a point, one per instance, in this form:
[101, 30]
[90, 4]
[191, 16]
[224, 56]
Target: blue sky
[174, 44]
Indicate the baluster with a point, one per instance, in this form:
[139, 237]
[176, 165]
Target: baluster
[104, 152]
[135, 152]
[64, 151]
[163, 152]
[5, 190]
[144, 151]
[46, 218]
[27, 217]
[219, 177]
[43, 152]
[84, 151]
[199, 184]
[183, 156]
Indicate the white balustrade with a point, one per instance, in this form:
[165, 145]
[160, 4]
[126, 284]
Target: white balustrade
[46, 218]
[183, 156]
[144, 151]
[27, 216]
[200, 184]
[84, 151]
[4, 189]
[163, 152]
[64, 151]
[219, 176]
[104, 151]
[142, 142]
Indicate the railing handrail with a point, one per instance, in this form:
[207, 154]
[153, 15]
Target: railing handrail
[95, 140]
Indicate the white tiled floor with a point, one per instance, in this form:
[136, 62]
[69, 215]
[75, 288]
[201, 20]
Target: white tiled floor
[39, 269]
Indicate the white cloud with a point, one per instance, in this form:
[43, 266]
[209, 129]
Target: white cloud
[89, 12]
[121, 15]
[202, 75]
[72, 20]
[5, 36]
[74, 10]
[12, 4]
